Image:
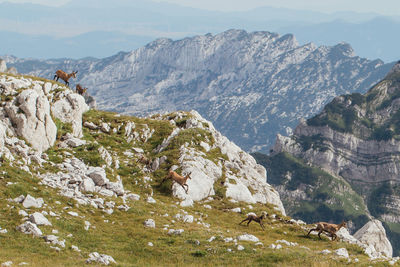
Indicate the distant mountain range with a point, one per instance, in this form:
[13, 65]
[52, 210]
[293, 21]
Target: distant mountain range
[250, 85]
[84, 28]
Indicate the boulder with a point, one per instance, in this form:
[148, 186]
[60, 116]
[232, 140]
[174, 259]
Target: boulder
[374, 234]
[87, 185]
[3, 65]
[100, 258]
[98, 176]
[247, 237]
[31, 202]
[342, 252]
[75, 142]
[39, 219]
[69, 110]
[149, 223]
[30, 116]
[30, 228]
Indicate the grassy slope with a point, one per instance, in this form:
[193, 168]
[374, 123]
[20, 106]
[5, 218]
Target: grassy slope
[122, 234]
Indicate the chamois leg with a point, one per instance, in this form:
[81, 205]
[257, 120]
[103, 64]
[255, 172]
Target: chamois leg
[56, 77]
[315, 229]
[184, 188]
[243, 221]
[334, 236]
[249, 221]
[262, 225]
[319, 234]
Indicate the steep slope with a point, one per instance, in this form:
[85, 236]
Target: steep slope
[247, 84]
[355, 139]
[94, 192]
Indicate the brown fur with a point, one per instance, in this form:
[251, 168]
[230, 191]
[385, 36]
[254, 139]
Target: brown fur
[330, 228]
[179, 179]
[80, 90]
[64, 76]
[259, 219]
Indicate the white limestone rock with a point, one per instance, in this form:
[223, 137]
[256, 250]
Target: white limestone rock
[75, 142]
[241, 167]
[90, 125]
[105, 127]
[149, 223]
[69, 110]
[188, 218]
[3, 65]
[31, 202]
[7, 263]
[87, 185]
[100, 258]
[30, 114]
[374, 234]
[248, 237]
[342, 252]
[240, 248]
[343, 234]
[175, 232]
[39, 219]
[30, 228]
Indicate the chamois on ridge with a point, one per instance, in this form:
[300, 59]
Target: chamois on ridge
[80, 90]
[64, 76]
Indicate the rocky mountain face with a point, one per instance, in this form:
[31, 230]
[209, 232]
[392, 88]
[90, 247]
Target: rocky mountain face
[355, 140]
[248, 84]
[86, 184]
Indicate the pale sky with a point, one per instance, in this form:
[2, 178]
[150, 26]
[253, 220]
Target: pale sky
[386, 7]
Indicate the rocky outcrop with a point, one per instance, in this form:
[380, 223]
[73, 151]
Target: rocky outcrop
[69, 109]
[3, 68]
[245, 180]
[30, 113]
[374, 234]
[29, 110]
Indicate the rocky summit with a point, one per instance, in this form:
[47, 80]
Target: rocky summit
[344, 162]
[250, 85]
[86, 187]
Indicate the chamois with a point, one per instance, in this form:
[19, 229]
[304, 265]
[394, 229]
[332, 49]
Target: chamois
[329, 228]
[80, 90]
[253, 217]
[64, 76]
[179, 179]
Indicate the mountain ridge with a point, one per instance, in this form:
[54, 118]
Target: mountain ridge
[240, 81]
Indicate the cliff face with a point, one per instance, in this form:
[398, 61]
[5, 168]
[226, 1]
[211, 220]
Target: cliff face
[247, 84]
[356, 138]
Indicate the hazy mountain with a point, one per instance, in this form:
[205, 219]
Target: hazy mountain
[250, 85]
[126, 25]
[374, 37]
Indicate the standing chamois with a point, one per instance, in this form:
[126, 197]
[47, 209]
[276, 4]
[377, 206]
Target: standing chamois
[330, 228]
[64, 76]
[80, 90]
[179, 179]
[253, 217]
